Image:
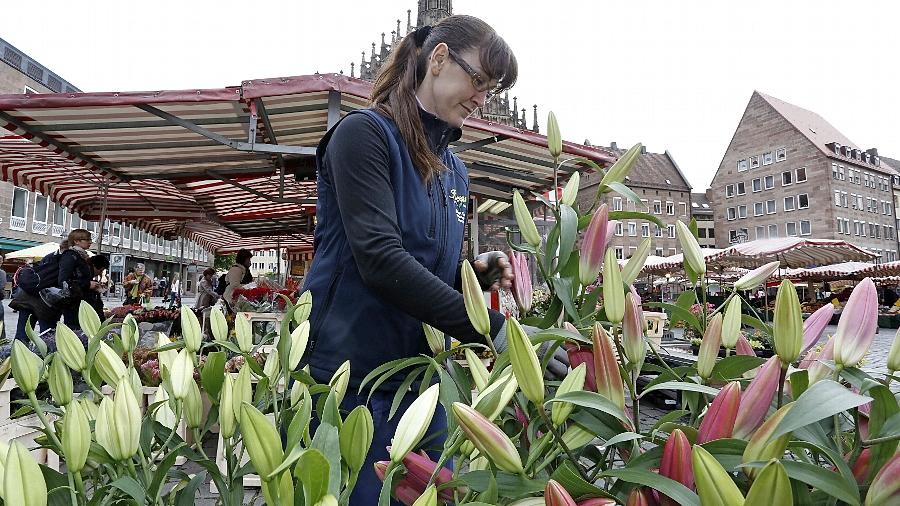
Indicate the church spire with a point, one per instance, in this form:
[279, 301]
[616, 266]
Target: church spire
[534, 127]
[432, 11]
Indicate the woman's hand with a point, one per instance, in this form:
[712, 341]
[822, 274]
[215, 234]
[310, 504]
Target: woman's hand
[493, 270]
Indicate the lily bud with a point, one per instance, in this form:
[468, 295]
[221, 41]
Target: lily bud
[130, 333]
[676, 463]
[554, 138]
[299, 341]
[885, 488]
[756, 277]
[90, 322]
[419, 468]
[742, 347]
[556, 495]
[772, 486]
[243, 391]
[491, 401]
[218, 325]
[356, 437]
[428, 497]
[570, 191]
[272, 367]
[226, 407]
[756, 400]
[109, 365]
[522, 290]
[182, 374]
[860, 468]
[190, 329]
[709, 347]
[613, 294]
[532, 501]
[473, 297]
[23, 482]
[525, 221]
[261, 440]
[193, 406]
[620, 169]
[303, 307]
[633, 329]
[164, 414]
[714, 484]
[815, 325]
[488, 438]
[243, 333]
[577, 436]
[640, 496]
[573, 382]
[719, 420]
[118, 425]
[593, 246]
[606, 368]
[166, 358]
[761, 445]
[479, 372]
[731, 324]
[414, 423]
[436, 341]
[298, 390]
[857, 326]
[339, 382]
[817, 370]
[597, 501]
[636, 263]
[59, 379]
[582, 355]
[69, 347]
[76, 437]
[893, 361]
[524, 361]
[788, 326]
[26, 367]
[690, 249]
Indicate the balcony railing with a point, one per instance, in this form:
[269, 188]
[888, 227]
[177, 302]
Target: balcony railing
[16, 223]
[58, 230]
[39, 227]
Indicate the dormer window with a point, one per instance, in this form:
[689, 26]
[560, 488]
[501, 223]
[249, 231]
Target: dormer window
[837, 148]
[868, 158]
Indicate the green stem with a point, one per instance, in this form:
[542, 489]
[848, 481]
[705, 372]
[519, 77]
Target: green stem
[198, 440]
[878, 440]
[43, 418]
[837, 418]
[79, 485]
[86, 374]
[663, 362]
[171, 432]
[131, 468]
[781, 377]
[72, 495]
[635, 403]
[559, 439]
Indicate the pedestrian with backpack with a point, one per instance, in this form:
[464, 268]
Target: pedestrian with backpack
[26, 300]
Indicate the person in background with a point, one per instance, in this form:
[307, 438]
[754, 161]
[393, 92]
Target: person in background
[174, 292]
[94, 297]
[75, 271]
[206, 292]
[137, 286]
[163, 286]
[238, 275]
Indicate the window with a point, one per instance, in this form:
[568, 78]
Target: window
[617, 203]
[742, 165]
[620, 253]
[887, 207]
[670, 208]
[872, 230]
[41, 208]
[701, 233]
[780, 154]
[657, 231]
[758, 209]
[770, 207]
[657, 207]
[732, 213]
[760, 232]
[769, 182]
[803, 201]
[619, 229]
[645, 230]
[729, 191]
[712, 233]
[805, 227]
[741, 190]
[632, 229]
[877, 231]
[859, 202]
[658, 252]
[20, 202]
[126, 232]
[671, 231]
[841, 174]
[789, 203]
[59, 216]
[768, 158]
[844, 199]
[644, 205]
[773, 231]
[742, 211]
[837, 198]
[757, 185]
[834, 171]
[673, 251]
[787, 178]
[790, 229]
[683, 207]
[754, 161]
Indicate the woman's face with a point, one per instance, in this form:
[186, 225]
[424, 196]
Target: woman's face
[139, 271]
[448, 90]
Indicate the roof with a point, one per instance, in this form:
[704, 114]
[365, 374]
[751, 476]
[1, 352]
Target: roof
[652, 170]
[700, 204]
[239, 157]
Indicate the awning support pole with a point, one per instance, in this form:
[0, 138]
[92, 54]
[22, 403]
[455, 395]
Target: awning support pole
[104, 191]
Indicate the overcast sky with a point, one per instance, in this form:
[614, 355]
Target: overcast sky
[675, 75]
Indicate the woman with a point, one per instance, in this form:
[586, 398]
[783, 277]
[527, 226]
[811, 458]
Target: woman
[75, 271]
[138, 286]
[206, 293]
[238, 274]
[391, 211]
[174, 294]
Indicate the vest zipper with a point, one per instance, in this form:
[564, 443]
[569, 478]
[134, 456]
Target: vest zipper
[443, 239]
[433, 209]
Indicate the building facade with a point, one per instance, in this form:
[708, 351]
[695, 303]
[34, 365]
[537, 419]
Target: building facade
[28, 218]
[664, 192]
[788, 172]
[702, 211]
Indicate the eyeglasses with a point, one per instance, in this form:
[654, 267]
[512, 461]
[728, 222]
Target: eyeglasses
[478, 81]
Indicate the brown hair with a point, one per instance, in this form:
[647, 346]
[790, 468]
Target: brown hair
[394, 94]
[79, 234]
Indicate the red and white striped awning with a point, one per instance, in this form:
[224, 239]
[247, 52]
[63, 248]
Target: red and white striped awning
[792, 252]
[843, 270]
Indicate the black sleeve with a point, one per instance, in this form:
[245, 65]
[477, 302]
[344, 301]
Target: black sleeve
[357, 165]
[67, 267]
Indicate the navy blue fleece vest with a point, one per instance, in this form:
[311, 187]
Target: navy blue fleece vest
[348, 321]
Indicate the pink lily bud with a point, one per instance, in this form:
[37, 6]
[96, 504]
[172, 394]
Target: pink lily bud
[406, 493]
[381, 468]
[521, 284]
[676, 463]
[815, 325]
[419, 468]
[593, 246]
[816, 369]
[606, 368]
[597, 501]
[556, 495]
[857, 326]
[885, 488]
[633, 329]
[719, 420]
[743, 346]
[756, 400]
[709, 347]
[860, 468]
[578, 356]
[640, 496]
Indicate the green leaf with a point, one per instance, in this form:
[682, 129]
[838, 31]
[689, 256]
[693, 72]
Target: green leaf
[591, 400]
[822, 400]
[756, 323]
[625, 436]
[799, 383]
[568, 225]
[729, 452]
[39, 343]
[681, 385]
[681, 494]
[403, 389]
[669, 418]
[735, 366]
[213, 374]
[678, 312]
[884, 407]
[409, 362]
[634, 215]
[563, 288]
[313, 471]
[552, 315]
[818, 477]
[508, 485]
[187, 495]
[568, 477]
[550, 246]
[626, 192]
[327, 441]
[131, 487]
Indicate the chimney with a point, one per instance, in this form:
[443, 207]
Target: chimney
[643, 150]
[872, 151]
[613, 145]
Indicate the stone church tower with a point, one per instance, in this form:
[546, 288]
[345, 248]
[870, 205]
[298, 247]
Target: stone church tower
[499, 110]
